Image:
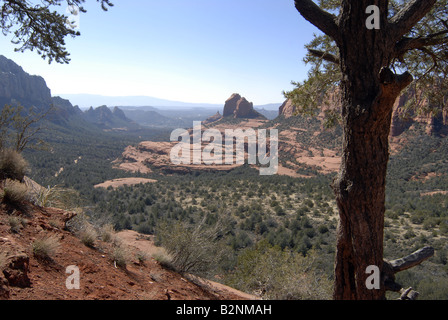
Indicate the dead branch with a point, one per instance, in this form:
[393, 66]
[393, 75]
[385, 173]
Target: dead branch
[390, 268]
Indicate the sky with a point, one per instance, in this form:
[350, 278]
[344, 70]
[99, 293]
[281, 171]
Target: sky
[198, 51]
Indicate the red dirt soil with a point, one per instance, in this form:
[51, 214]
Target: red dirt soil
[37, 279]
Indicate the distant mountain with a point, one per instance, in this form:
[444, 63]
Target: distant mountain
[85, 101]
[135, 112]
[106, 118]
[20, 88]
[269, 114]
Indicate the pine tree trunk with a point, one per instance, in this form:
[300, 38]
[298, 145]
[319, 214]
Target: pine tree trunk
[368, 95]
[360, 194]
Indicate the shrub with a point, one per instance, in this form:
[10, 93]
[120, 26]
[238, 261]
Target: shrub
[162, 257]
[45, 247]
[88, 236]
[107, 233]
[12, 165]
[280, 274]
[14, 192]
[16, 223]
[43, 196]
[193, 249]
[119, 256]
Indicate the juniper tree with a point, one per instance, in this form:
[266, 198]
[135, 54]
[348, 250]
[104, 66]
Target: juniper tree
[372, 57]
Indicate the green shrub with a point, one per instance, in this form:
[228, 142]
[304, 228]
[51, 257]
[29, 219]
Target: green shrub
[280, 274]
[192, 249]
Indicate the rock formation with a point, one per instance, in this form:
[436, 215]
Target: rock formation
[287, 109]
[20, 88]
[239, 108]
[213, 118]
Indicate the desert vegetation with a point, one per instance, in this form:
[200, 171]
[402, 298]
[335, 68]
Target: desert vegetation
[287, 215]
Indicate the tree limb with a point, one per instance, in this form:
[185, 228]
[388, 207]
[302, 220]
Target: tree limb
[407, 44]
[390, 268]
[409, 16]
[324, 21]
[324, 55]
[412, 260]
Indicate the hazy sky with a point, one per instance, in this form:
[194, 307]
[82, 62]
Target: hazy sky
[191, 51]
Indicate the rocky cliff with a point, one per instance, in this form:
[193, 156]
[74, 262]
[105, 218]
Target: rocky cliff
[404, 118]
[17, 86]
[287, 109]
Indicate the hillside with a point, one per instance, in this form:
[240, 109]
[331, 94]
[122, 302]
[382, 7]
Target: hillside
[25, 275]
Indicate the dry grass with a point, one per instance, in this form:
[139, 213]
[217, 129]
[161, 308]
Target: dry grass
[14, 192]
[88, 236]
[13, 165]
[120, 257]
[17, 223]
[45, 247]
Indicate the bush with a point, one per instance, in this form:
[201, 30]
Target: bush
[107, 233]
[12, 165]
[45, 247]
[15, 192]
[280, 274]
[88, 236]
[16, 223]
[192, 250]
[119, 256]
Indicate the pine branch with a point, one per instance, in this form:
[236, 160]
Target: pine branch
[324, 21]
[324, 56]
[407, 44]
[409, 16]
